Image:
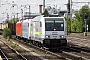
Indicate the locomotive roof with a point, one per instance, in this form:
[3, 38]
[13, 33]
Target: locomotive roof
[20, 21]
[26, 20]
[39, 18]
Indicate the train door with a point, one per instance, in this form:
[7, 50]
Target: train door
[27, 29]
[40, 30]
[36, 31]
[31, 30]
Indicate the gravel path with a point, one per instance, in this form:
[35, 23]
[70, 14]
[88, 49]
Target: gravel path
[83, 41]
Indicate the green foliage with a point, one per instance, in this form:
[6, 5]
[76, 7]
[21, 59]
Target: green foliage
[79, 27]
[68, 22]
[14, 45]
[78, 22]
[45, 13]
[14, 20]
[85, 14]
[76, 26]
[7, 33]
[8, 38]
[73, 25]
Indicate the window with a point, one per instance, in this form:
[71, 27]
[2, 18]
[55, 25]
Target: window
[40, 24]
[28, 24]
[56, 24]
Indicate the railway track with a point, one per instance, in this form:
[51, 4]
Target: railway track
[69, 52]
[3, 55]
[82, 52]
[8, 53]
[66, 53]
[74, 53]
[45, 54]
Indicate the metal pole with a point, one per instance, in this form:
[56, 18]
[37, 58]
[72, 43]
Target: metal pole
[17, 16]
[85, 25]
[69, 13]
[71, 9]
[85, 33]
[29, 11]
[0, 3]
[7, 17]
[22, 13]
[43, 5]
[14, 17]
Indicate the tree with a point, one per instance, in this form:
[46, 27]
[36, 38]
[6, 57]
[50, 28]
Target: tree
[6, 33]
[45, 13]
[73, 25]
[85, 14]
[68, 24]
[14, 20]
[76, 25]
[78, 22]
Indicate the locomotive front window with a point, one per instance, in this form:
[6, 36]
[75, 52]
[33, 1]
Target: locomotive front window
[55, 24]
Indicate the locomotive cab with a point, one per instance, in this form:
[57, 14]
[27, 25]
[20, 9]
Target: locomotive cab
[49, 31]
[55, 32]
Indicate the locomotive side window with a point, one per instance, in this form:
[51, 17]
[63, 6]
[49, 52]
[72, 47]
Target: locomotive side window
[28, 24]
[40, 24]
[31, 24]
[61, 25]
[54, 24]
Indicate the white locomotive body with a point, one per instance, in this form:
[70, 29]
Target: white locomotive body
[26, 28]
[49, 31]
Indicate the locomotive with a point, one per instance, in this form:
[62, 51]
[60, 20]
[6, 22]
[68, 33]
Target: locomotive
[43, 31]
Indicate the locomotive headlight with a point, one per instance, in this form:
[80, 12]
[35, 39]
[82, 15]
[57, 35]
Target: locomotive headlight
[62, 36]
[47, 36]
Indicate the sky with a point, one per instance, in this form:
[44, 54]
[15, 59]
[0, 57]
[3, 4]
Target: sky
[6, 6]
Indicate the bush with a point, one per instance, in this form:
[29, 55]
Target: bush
[9, 39]
[7, 33]
[14, 45]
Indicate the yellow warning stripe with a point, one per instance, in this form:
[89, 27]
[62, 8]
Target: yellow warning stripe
[39, 33]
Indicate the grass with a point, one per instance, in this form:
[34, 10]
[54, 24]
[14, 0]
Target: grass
[14, 45]
[78, 34]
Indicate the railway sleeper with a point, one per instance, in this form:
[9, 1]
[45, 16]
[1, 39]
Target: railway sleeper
[75, 56]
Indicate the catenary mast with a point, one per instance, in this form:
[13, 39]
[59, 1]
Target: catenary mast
[43, 5]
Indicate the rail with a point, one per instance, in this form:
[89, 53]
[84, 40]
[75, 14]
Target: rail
[6, 58]
[3, 54]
